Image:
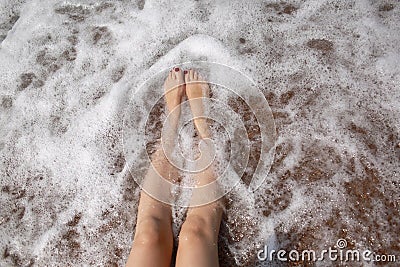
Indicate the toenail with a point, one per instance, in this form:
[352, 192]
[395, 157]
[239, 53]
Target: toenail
[185, 72]
[176, 69]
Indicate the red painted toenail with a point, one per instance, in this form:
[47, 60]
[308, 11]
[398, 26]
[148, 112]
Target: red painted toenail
[176, 69]
[185, 72]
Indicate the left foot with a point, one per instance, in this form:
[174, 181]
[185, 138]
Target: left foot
[174, 87]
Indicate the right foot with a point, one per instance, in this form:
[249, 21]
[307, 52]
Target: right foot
[196, 90]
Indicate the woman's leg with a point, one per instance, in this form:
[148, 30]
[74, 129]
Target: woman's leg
[152, 245]
[198, 239]
[153, 241]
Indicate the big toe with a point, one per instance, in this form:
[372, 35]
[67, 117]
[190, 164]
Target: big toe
[179, 75]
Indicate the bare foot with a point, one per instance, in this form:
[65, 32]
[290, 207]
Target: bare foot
[196, 90]
[174, 87]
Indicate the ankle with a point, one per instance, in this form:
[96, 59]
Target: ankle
[202, 128]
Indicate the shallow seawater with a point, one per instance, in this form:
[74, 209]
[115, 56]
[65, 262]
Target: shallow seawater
[329, 71]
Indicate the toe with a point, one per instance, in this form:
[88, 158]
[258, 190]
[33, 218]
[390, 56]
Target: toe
[179, 75]
[191, 74]
[173, 74]
[186, 76]
[195, 76]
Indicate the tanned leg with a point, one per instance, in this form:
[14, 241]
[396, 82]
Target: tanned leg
[153, 241]
[198, 238]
